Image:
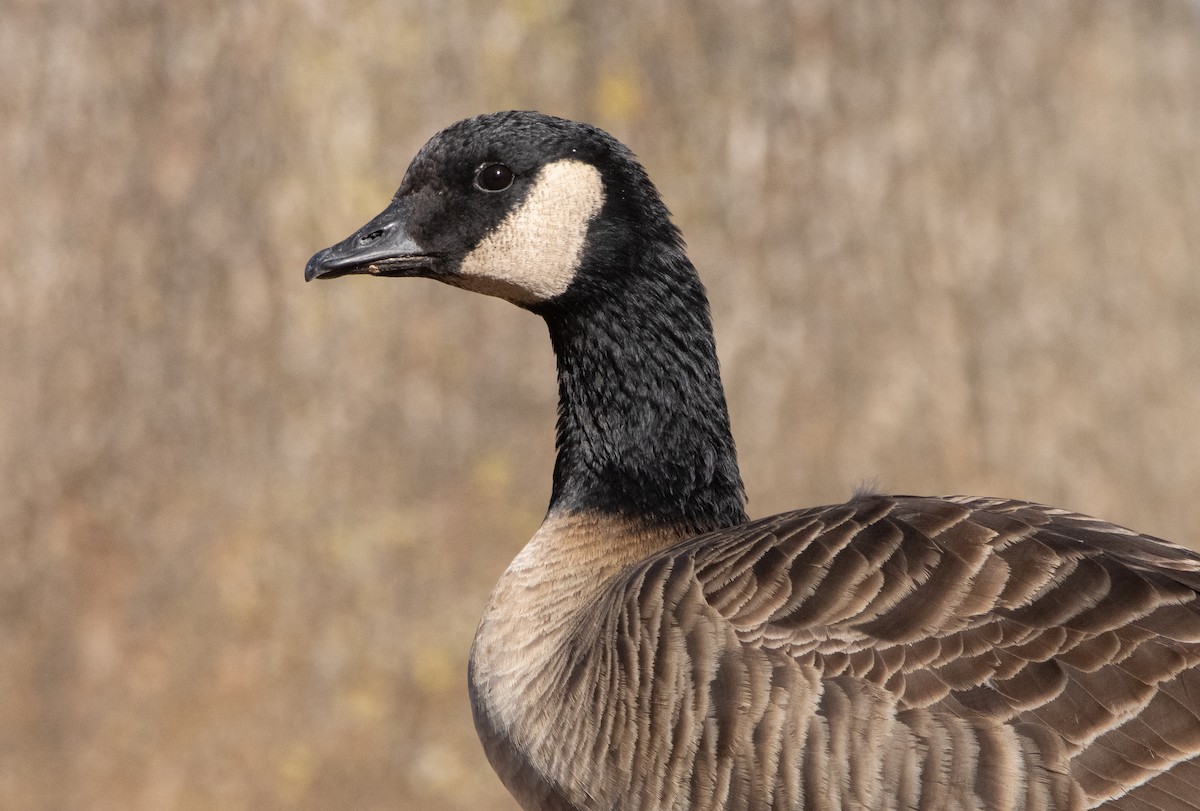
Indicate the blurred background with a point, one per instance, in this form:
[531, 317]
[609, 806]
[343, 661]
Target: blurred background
[249, 524]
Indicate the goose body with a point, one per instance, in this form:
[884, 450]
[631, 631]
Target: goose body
[652, 648]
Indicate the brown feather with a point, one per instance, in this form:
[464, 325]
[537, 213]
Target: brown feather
[889, 653]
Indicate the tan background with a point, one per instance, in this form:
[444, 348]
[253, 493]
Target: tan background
[249, 524]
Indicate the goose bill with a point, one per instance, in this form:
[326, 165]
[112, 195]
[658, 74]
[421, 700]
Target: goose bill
[382, 247]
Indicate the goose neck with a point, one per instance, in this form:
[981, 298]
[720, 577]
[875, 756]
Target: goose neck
[643, 429]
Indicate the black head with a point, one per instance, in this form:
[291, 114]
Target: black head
[560, 218]
[518, 205]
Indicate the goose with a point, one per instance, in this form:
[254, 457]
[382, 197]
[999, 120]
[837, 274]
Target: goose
[653, 648]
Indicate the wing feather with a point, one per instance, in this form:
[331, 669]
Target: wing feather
[899, 652]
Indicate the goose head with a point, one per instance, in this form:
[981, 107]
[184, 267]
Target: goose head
[559, 218]
[534, 209]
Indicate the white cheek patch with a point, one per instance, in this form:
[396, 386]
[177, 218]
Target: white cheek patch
[534, 253]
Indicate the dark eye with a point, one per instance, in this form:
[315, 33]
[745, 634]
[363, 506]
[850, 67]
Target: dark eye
[493, 177]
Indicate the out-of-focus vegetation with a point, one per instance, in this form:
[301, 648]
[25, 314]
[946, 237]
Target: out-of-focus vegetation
[249, 524]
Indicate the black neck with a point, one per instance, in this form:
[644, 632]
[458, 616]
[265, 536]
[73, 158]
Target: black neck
[643, 428]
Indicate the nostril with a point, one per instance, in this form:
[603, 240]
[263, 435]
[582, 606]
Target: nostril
[371, 237]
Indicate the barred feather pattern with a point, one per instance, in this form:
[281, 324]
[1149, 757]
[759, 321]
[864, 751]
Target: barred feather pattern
[888, 653]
